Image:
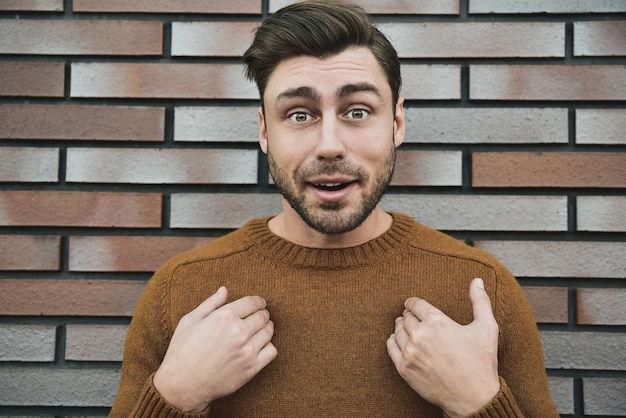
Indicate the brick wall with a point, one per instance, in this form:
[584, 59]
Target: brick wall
[128, 134]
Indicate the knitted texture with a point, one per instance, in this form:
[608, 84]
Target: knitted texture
[333, 311]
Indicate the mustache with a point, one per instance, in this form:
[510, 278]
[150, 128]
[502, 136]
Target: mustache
[330, 168]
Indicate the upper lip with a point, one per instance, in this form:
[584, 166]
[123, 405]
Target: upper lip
[331, 180]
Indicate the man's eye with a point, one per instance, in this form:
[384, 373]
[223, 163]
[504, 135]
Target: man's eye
[357, 114]
[300, 117]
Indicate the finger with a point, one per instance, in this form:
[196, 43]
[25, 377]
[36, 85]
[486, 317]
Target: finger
[401, 336]
[247, 305]
[263, 336]
[420, 308]
[481, 305]
[256, 321]
[267, 354]
[210, 304]
[394, 352]
[410, 321]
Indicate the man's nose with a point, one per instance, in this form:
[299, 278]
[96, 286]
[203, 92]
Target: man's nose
[330, 145]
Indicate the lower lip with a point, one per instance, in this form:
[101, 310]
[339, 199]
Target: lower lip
[334, 196]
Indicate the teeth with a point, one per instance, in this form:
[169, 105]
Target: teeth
[328, 184]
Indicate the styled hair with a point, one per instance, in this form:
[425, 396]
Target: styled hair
[319, 29]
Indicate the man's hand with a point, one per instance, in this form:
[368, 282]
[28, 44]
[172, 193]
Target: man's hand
[215, 350]
[452, 366]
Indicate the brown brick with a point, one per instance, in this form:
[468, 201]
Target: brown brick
[549, 304]
[43, 79]
[158, 166]
[546, 6]
[601, 306]
[27, 164]
[87, 209]
[82, 122]
[606, 38]
[593, 259]
[24, 297]
[444, 7]
[151, 80]
[109, 253]
[226, 39]
[547, 82]
[168, 6]
[81, 37]
[428, 168]
[476, 40]
[32, 5]
[30, 252]
[548, 169]
[601, 126]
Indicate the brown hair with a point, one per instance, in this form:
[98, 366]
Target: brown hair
[320, 29]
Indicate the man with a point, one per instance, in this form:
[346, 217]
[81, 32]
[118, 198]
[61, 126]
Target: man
[332, 307]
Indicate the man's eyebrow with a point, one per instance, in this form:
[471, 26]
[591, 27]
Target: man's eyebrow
[349, 89]
[302, 92]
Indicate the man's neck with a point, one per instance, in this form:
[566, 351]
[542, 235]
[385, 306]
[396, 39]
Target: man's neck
[290, 226]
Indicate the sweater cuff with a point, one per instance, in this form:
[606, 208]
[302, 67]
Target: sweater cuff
[503, 405]
[151, 404]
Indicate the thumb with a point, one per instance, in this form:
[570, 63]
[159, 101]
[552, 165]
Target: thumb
[481, 305]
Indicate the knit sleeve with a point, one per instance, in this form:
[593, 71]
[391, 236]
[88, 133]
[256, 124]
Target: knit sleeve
[147, 340]
[520, 355]
[502, 406]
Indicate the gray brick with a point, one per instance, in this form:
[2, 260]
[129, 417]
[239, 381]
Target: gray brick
[27, 342]
[483, 213]
[584, 350]
[486, 126]
[58, 387]
[562, 391]
[95, 342]
[216, 124]
[547, 6]
[605, 396]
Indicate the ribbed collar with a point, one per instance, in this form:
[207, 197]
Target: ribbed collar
[274, 247]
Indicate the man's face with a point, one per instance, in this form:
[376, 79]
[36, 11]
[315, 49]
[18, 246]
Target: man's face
[330, 132]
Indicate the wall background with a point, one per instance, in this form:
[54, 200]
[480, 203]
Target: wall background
[128, 134]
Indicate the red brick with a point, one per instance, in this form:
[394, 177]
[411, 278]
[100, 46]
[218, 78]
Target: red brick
[485, 125]
[601, 126]
[443, 7]
[601, 306]
[43, 79]
[546, 6]
[32, 5]
[549, 304]
[548, 169]
[159, 166]
[198, 81]
[82, 122]
[28, 164]
[30, 252]
[109, 253]
[476, 40]
[226, 39]
[81, 37]
[168, 6]
[87, 209]
[606, 38]
[28, 297]
[547, 82]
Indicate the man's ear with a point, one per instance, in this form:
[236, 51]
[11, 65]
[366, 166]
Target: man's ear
[399, 123]
[262, 131]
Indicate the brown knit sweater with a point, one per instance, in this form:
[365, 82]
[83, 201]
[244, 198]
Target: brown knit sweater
[333, 312]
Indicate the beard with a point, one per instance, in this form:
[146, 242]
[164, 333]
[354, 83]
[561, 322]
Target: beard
[333, 217]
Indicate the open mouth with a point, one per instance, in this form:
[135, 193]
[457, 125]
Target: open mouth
[331, 187]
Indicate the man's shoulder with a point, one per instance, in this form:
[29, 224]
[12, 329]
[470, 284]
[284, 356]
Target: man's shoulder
[425, 238]
[232, 243]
